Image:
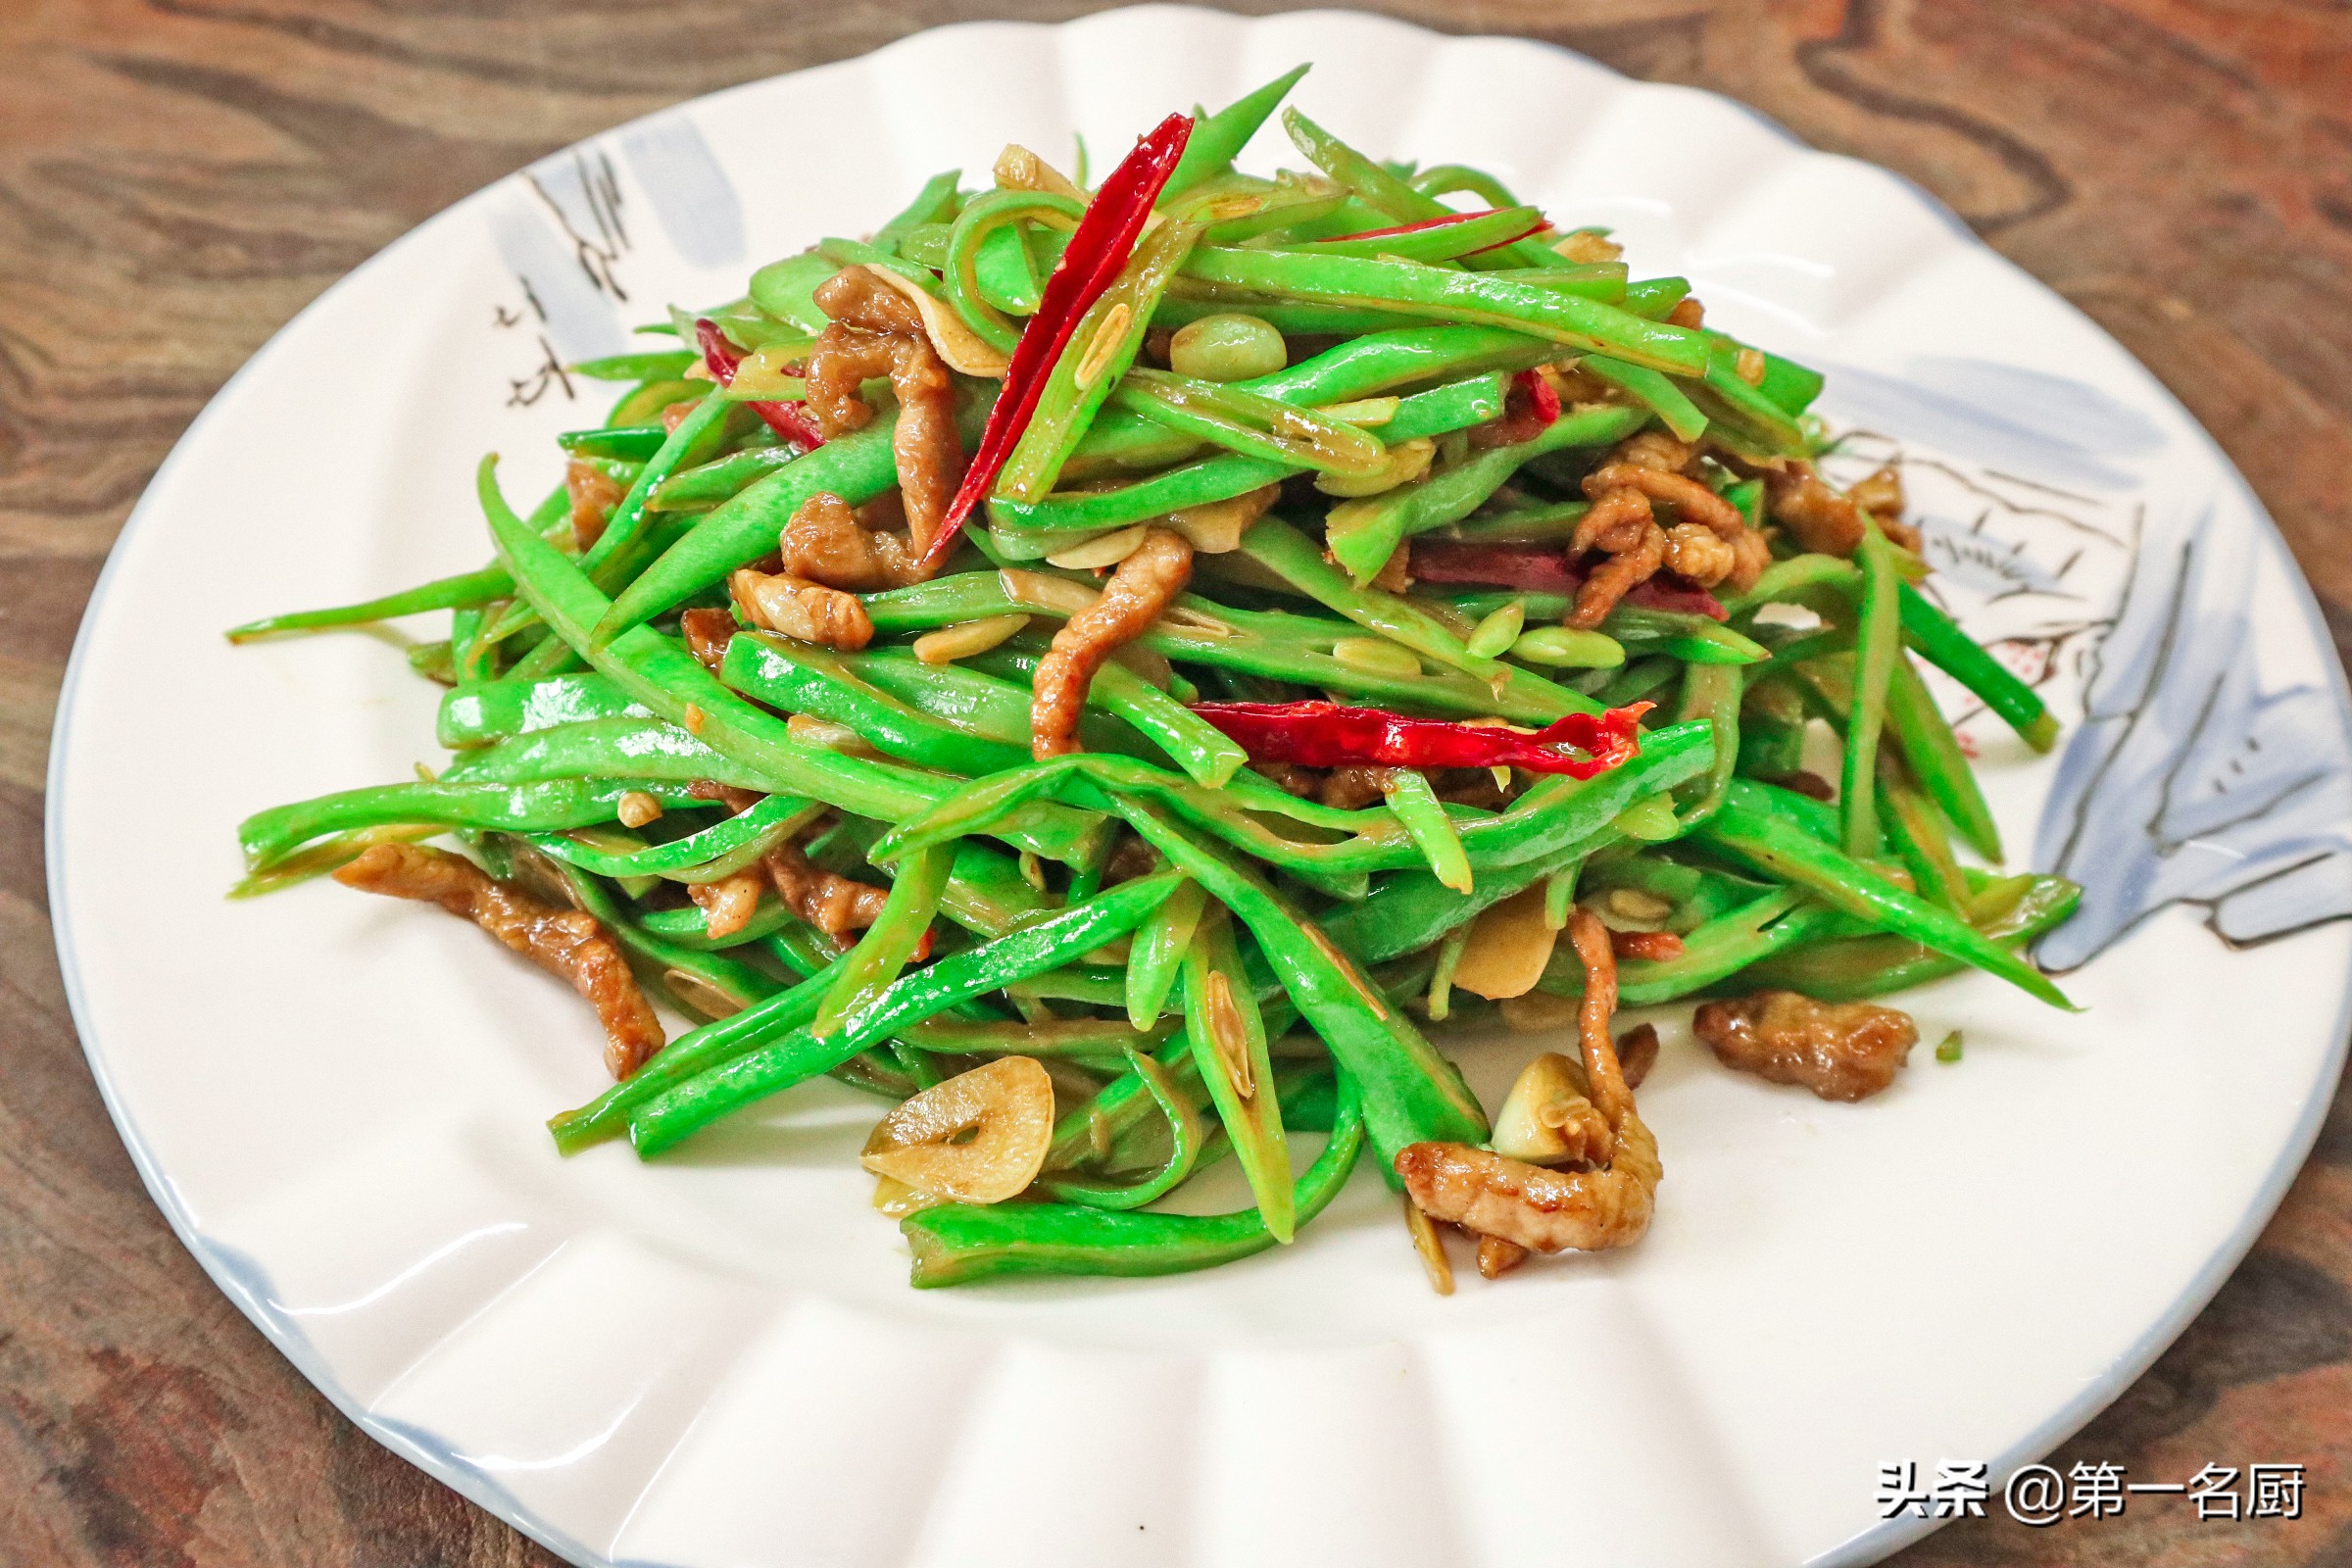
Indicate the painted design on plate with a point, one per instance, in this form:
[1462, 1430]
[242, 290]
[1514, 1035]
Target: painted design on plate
[2105, 569]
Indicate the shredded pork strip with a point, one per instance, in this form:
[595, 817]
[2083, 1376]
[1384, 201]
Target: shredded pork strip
[1142, 586]
[1550, 1210]
[1841, 1051]
[877, 332]
[825, 543]
[806, 611]
[569, 943]
[593, 494]
[827, 900]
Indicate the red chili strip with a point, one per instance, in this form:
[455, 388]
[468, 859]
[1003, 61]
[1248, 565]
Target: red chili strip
[1543, 398]
[790, 421]
[1326, 735]
[1545, 570]
[1100, 247]
[1442, 220]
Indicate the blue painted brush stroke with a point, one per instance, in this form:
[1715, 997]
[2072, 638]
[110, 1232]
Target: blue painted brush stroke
[693, 200]
[2188, 780]
[2024, 422]
[563, 227]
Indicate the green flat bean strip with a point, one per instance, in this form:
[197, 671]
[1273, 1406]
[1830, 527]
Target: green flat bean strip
[717, 851]
[1712, 692]
[777, 1064]
[480, 715]
[665, 365]
[1933, 752]
[1187, 1139]
[857, 466]
[466, 590]
[957, 1244]
[1915, 832]
[1388, 194]
[984, 218]
[607, 559]
[667, 679]
[696, 1052]
[1447, 179]
[1547, 524]
[803, 678]
[629, 443]
[720, 479]
[1877, 643]
[1100, 352]
[328, 854]
[1156, 953]
[1472, 298]
[1424, 817]
[1267, 643]
[882, 955]
[269, 837]
[786, 290]
[1379, 362]
[1857, 968]
[1292, 556]
[1447, 242]
[1218, 139]
[1712, 951]
[1411, 1094]
[687, 926]
[1654, 391]
[935, 203]
[642, 748]
[1771, 844]
[1365, 534]
[1959, 655]
[1453, 407]
[1217, 995]
[974, 697]
[1248, 424]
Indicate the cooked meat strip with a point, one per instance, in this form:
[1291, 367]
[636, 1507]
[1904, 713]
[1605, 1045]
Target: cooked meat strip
[809, 611]
[1654, 945]
[1354, 787]
[569, 943]
[1542, 1209]
[707, 633]
[1688, 312]
[1694, 551]
[728, 903]
[1654, 448]
[1619, 576]
[1841, 1051]
[1817, 516]
[827, 900]
[1143, 585]
[855, 297]
[1692, 502]
[1290, 778]
[593, 494]
[1638, 1052]
[825, 543]
[877, 332]
[1615, 522]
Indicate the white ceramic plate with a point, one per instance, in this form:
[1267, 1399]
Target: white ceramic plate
[717, 1360]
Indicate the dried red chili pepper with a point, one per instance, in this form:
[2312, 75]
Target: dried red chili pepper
[1546, 569]
[1100, 247]
[1543, 399]
[790, 421]
[1326, 735]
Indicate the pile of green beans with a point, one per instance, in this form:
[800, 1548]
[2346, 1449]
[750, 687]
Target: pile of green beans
[1211, 958]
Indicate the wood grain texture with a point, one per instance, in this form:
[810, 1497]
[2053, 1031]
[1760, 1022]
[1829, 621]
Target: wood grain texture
[177, 178]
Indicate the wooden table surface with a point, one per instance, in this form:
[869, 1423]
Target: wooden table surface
[177, 178]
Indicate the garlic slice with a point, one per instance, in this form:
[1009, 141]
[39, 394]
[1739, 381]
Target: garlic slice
[951, 334]
[979, 1137]
[1547, 1118]
[1508, 948]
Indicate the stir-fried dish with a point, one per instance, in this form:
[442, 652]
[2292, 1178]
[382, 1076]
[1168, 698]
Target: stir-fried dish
[1109, 671]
